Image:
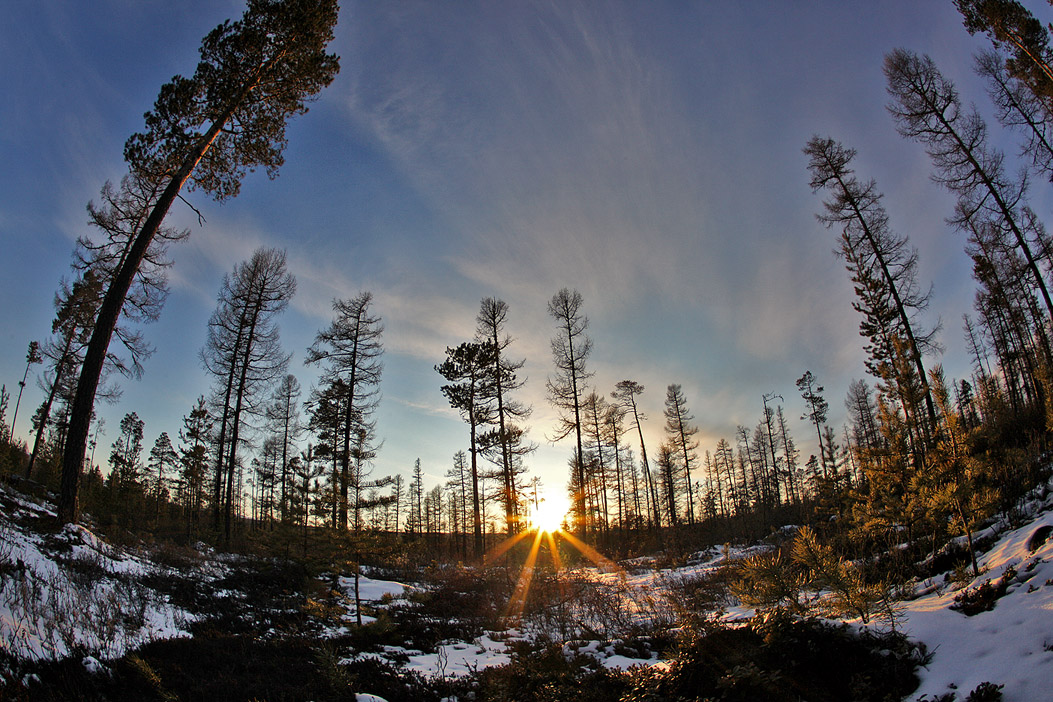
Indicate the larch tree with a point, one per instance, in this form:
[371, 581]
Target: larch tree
[626, 392]
[398, 495]
[862, 413]
[415, 515]
[724, 470]
[471, 391]
[595, 430]
[491, 322]
[883, 266]
[812, 393]
[667, 476]
[97, 260]
[571, 347]
[208, 130]
[1017, 108]
[243, 354]
[116, 223]
[790, 455]
[927, 109]
[613, 422]
[75, 307]
[680, 435]
[283, 414]
[460, 484]
[351, 349]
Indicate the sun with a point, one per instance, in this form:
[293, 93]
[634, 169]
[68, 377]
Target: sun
[545, 526]
[548, 516]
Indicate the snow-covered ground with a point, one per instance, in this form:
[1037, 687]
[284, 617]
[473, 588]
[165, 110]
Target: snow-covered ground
[454, 659]
[1010, 645]
[70, 591]
[371, 592]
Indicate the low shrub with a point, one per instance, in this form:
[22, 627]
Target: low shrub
[782, 659]
[984, 597]
[542, 672]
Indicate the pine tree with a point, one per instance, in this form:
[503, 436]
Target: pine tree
[195, 440]
[32, 357]
[1015, 32]
[125, 458]
[471, 391]
[351, 350]
[163, 460]
[209, 130]
[812, 393]
[493, 315]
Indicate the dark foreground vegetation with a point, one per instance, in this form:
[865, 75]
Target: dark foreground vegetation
[271, 629]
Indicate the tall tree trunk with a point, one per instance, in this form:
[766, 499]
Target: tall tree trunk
[109, 313]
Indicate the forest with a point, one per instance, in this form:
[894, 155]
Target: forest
[923, 477]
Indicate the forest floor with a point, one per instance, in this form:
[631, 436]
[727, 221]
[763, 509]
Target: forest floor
[83, 618]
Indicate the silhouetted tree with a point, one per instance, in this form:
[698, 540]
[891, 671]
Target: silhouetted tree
[163, 460]
[927, 109]
[883, 267]
[570, 349]
[471, 391]
[32, 356]
[626, 391]
[817, 407]
[351, 349]
[493, 315]
[243, 354]
[195, 440]
[126, 456]
[284, 417]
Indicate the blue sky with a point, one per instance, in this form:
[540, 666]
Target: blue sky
[647, 154]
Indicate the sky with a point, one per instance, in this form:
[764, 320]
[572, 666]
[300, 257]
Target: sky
[646, 154]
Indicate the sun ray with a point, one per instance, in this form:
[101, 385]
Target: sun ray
[556, 560]
[549, 514]
[504, 547]
[518, 601]
[589, 552]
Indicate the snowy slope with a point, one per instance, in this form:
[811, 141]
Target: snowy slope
[1010, 645]
[71, 592]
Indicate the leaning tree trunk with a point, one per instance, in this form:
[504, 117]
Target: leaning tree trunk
[110, 312]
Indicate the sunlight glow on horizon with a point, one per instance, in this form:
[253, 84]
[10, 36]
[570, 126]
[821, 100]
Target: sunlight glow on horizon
[550, 514]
